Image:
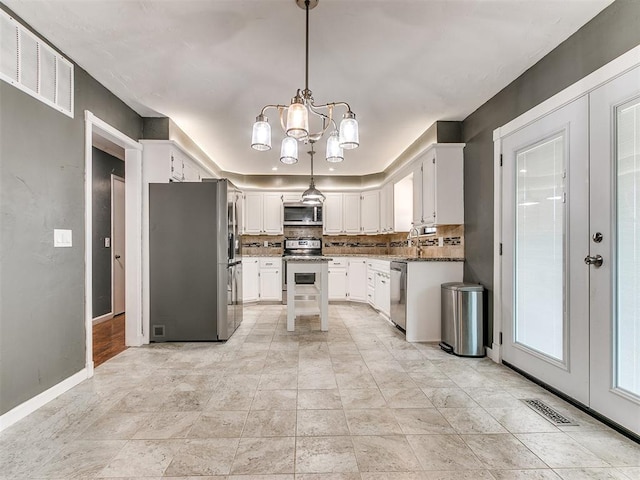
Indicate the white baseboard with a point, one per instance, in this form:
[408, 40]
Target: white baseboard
[33, 404]
[102, 318]
[494, 353]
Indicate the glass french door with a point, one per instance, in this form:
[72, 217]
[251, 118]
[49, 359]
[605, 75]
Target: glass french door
[615, 238]
[545, 281]
[571, 249]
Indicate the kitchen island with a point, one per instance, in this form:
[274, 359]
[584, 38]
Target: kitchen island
[308, 299]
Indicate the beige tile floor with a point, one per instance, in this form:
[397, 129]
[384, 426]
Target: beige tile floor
[356, 403]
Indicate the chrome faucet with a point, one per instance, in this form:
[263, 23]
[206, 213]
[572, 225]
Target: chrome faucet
[410, 236]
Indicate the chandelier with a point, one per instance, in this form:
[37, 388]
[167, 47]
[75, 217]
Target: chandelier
[294, 119]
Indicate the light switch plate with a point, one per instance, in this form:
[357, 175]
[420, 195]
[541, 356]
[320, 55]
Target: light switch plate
[62, 238]
[107, 242]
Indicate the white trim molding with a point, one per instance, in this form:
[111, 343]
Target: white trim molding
[18, 413]
[133, 227]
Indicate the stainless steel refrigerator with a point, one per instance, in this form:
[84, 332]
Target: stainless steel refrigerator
[195, 269]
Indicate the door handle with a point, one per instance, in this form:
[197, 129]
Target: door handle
[117, 257]
[597, 260]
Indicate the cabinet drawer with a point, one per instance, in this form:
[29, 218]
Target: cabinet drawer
[338, 263]
[270, 262]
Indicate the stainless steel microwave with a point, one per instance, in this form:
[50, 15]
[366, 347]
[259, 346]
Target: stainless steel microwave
[300, 214]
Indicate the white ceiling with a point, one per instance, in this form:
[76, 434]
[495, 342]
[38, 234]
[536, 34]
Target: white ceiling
[211, 65]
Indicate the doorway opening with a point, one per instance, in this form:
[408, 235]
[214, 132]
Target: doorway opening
[113, 242]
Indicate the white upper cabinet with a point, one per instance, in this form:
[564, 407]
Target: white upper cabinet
[262, 213]
[351, 213]
[332, 214]
[370, 212]
[165, 161]
[438, 197]
[272, 213]
[292, 197]
[386, 208]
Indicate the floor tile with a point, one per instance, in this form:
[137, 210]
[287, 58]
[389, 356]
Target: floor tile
[390, 453]
[443, 452]
[275, 400]
[142, 458]
[590, 474]
[611, 447]
[547, 474]
[321, 422]
[559, 450]
[167, 425]
[264, 456]
[502, 451]
[521, 420]
[319, 399]
[372, 422]
[325, 455]
[81, 459]
[449, 398]
[278, 381]
[270, 423]
[406, 398]
[219, 424]
[197, 457]
[116, 426]
[362, 398]
[422, 421]
[471, 420]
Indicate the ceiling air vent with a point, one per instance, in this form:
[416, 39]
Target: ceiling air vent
[26, 62]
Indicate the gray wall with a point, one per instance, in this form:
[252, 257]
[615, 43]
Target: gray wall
[610, 34]
[103, 166]
[42, 334]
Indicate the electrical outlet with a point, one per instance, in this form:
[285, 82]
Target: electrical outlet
[266, 243]
[440, 242]
[107, 242]
[62, 238]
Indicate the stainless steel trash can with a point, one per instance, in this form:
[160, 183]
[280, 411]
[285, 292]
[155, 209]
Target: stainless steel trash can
[461, 319]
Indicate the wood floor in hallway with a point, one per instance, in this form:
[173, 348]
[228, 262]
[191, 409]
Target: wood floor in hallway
[108, 339]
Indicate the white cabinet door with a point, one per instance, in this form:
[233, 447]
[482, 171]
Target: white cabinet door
[351, 212]
[272, 213]
[429, 188]
[338, 284]
[271, 284]
[357, 280]
[332, 213]
[382, 294]
[253, 212]
[250, 283]
[386, 208]
[177, 171]
[417, 195]
[370, 213]
[292, 197]
[448, 185]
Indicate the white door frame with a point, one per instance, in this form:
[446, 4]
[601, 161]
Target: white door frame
[611, 70]
[116, 178]
[133, 228]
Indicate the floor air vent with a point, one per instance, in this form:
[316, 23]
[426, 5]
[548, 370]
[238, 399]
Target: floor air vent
[548, 412]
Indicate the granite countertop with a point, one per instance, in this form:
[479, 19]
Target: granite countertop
[402, 258]
[276, 255]
[307, 259]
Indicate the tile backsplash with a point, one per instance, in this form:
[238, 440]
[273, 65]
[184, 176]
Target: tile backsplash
[448, 242]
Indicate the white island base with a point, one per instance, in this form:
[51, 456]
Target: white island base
[308, 299]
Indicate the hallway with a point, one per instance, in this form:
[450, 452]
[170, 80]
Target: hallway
[355, 403]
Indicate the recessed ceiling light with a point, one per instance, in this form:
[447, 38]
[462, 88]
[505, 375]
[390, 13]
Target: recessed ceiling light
[524, 170]
[274, 169]
[331, 169]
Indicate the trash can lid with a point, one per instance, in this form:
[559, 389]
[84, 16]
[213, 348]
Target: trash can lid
[463, 287]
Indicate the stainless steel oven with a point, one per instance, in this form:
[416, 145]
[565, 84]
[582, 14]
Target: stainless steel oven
[300, 247]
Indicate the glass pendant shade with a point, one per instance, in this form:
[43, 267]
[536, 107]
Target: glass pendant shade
[289, 151]
[349, 137]
[297, 120]
[334, 152]
[261, 137]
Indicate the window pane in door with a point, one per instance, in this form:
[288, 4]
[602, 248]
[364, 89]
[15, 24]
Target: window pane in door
[628, 247]
[540, 258]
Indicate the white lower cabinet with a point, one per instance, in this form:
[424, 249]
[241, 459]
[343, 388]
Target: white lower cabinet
[338, 279]
[357, 279]
[262, 279]
[379, 285]
[250, 277]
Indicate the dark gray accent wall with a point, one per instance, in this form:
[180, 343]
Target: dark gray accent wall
[42, 331]
[607, 36]
[104, 165]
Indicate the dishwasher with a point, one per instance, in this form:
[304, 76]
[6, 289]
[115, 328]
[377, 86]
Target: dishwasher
[399, 294]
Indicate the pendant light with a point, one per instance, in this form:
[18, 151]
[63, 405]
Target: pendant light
[312, 196]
